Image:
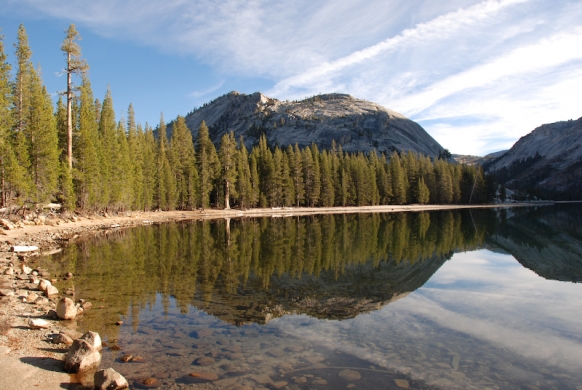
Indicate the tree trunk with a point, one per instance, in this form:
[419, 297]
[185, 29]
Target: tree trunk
[226, 195]
[69, 114]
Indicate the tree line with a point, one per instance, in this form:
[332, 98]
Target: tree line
[80, 155]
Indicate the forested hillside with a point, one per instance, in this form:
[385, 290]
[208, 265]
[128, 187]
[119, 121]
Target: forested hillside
[79, 154]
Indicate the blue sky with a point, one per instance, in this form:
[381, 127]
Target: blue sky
[476, 74]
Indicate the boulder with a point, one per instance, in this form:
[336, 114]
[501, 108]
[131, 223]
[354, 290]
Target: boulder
[38, 323]
[109, 379]
[81, 357]
[51, 290]
[6, 292]
[43, 284]
[66, 309]
[93, 339]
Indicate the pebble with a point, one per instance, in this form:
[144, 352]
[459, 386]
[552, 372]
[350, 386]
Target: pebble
[319, 382]
[402, 383]
[200, 377]
[205, 361]
[62, 338]
[279, 384]
[32, 297]
[38, 323]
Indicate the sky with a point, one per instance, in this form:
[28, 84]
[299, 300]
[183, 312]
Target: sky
[477, 75]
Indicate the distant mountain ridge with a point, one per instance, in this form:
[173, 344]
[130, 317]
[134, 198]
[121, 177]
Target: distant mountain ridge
[354, 124]
[546, 162]
[474, 160]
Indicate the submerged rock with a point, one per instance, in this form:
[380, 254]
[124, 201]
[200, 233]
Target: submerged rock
[109, 379]
[349, 375]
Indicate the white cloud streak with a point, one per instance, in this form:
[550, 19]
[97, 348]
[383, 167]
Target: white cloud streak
[439, 28]
[497, 63]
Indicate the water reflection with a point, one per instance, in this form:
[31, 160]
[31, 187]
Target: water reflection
[471, 318]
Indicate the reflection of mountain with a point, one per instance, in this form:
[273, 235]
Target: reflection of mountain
[547, 240]
[359, 289]
[329, 266]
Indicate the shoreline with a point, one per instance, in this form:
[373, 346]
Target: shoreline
[30, 355]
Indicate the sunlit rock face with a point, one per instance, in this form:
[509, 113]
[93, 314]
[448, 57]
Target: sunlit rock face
[354, 124]
[547, 159]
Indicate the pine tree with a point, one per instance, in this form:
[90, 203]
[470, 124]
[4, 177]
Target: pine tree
[166, 184]
[208, 164]
[110, 191]
[122, 170]
[43, 141]
[149, 167]
[296, 172]
[136, 152]
[255, 183]
[61, 123]
[244, 186]
[11, 173]
[75, 65]
[88, 175]
[184, 165]
[21, 101]
[398, 180]
[422, 193]
[228, 174]
[327, 196]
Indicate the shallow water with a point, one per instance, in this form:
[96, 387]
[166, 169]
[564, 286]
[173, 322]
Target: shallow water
[452, 299]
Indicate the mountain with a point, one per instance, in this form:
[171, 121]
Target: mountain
[547, 162]
[356, 125]
[477, 160]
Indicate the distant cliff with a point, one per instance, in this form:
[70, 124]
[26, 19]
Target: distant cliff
[356, 125]
[547, 162]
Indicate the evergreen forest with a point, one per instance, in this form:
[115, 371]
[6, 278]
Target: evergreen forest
[77, 153]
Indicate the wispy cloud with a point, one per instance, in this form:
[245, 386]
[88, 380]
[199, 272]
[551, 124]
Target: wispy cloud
[207, 91]
[499, 60]
[439, 28]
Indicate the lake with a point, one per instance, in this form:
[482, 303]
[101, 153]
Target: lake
[456, 299]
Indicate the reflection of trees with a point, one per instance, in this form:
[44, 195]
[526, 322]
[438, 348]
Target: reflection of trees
[199, 261]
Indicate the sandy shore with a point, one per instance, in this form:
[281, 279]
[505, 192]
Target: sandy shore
[28, 354]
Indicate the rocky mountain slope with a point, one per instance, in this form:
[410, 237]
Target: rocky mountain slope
[548, 160]
[356, 125]
[547, 240]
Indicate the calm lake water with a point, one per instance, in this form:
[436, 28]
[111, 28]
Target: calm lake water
[464, 299]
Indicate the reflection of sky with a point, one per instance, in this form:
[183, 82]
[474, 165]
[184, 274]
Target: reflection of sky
[481, 305]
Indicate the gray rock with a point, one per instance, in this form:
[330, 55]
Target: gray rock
[356, 125]
[66, 309]
[93, 339]
[81, 357]
[62, 338]
[109, 379]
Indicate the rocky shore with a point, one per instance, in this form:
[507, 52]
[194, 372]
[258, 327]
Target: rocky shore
[33, 339]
